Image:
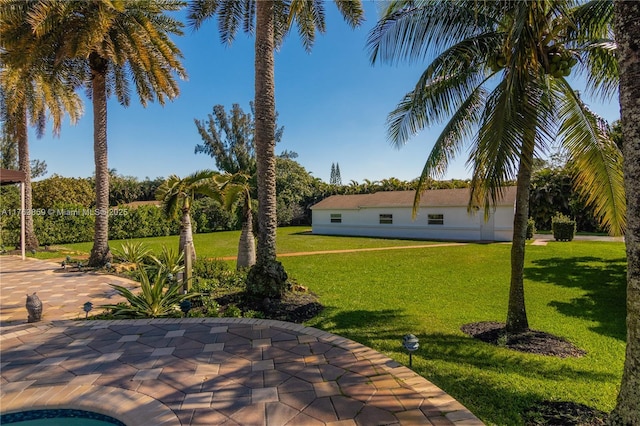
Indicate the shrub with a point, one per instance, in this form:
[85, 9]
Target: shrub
[232, 311]
[531, 228]
[211, 275]
[141, 222]
[563, 227]
[64, 223]
[209, 268]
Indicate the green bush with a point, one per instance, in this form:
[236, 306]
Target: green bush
[211, 275]
[232, 311]
[64, 223]
[209, 268]
[141, 222]
[531, 228]
[563, 227]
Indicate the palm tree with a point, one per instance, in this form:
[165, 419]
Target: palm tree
[236, 189]
[498, 72]
[30, 91]
[177, 195]
[627, 411]
[115, 41]
[273, 20]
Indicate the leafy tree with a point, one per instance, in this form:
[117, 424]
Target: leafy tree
[63, 190]
[229, 140]
[9, 156]
[293, 185]
[270, 21]
[115, 42]
[123, 189]
[33, 83]
[627, 31]
[177, 196]
[552, 191]
[498, 73]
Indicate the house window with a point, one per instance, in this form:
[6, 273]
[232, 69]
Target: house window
[336, 217]
[435, 219]
[386, 218]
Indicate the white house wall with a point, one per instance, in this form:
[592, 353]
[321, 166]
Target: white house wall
[458, 224]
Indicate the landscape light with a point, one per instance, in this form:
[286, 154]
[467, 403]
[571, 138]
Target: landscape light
[411, 344]
[87, 307]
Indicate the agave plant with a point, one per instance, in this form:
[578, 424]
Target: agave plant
[153, 300]
[132, 252]
[170, 261]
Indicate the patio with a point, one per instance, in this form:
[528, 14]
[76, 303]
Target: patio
[195, 371]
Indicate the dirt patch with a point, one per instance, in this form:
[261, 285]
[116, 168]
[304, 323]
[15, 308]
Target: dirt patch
[532, 341]
[563, 413]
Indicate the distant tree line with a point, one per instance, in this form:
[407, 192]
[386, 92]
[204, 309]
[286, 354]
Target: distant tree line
[297, 190]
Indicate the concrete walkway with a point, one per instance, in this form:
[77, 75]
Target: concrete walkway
[195, 371]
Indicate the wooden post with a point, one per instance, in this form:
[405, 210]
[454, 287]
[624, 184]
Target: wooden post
[186, 277]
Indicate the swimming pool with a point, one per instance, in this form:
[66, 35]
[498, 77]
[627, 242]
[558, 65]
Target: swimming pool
[59, 417]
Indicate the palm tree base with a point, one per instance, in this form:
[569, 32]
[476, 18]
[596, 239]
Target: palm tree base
[99, 258]
[267, 280]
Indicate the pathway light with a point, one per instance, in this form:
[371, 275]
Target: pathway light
[87, 307]
[411, 344]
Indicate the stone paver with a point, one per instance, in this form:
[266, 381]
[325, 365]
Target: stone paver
[196, 371]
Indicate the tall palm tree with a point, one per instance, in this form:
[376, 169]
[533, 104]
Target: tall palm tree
[498, 73]
[177, 196]
[273, 20]
[627, 411]
[116, 41]
[32, 86]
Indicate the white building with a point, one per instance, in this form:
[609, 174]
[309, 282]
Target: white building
[443, 215]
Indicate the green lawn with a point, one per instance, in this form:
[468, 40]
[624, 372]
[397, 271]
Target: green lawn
[290, 240]
[575, 290]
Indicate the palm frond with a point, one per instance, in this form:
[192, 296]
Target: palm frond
[433, 99]
[410, 31]
[595, 159]
[450, 142]
[599, 67]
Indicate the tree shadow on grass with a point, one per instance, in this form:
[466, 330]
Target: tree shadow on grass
[604, 283]
[477, 374]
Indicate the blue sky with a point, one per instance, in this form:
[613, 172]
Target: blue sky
[332, 102]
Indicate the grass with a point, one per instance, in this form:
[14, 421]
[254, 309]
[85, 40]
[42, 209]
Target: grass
[575, 290]
[290, 240]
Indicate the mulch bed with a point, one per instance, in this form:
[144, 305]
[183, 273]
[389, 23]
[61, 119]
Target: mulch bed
[552, 413]
[294, 306]
[563, 413]
[532, 341]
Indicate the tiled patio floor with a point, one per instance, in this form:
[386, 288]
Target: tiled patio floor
[205, 371]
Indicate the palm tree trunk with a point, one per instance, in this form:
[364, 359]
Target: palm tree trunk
[24, 164]
[247, 243]
[265, 119]
[627, 26]
[267, 277]
[100, 253]
[186, 233]
[516, 312]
